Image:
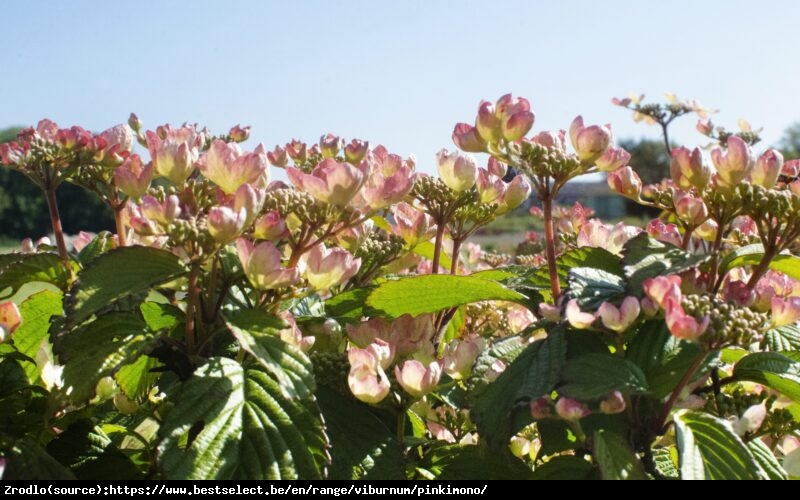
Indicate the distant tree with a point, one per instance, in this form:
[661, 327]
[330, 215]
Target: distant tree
[23, 210]
[789, 144]
[650, 160]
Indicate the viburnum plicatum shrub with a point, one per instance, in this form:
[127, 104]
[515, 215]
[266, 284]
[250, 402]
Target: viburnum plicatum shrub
[342, 326]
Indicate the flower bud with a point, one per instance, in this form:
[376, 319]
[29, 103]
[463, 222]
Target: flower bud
[690, 209]
[619, 319]
[571, 409]
[297, 151]
[591, 142]
[578, 319]
[662, 288]
[490, 187]
[163, 213]
[680, 324]
[330, 145]
[416, 378]
[466, 137]
[356, 151]
[613, 159]
[329, 267]
[10, 319]
[458, 172]
[239, 134]
[367, 380]
[134, 122]
[262, 265]
[414, 226]
[277, 157]
[613, 404]
[330, 181]
[767, 169]
[517, 191]
[734, 165]
[625, 182]
[785, 310]
[460, 355]
[270, 226]
[133, 179]
[224, 224]
[541, 408]
[688, 169]
[488, 124]
[515, 117]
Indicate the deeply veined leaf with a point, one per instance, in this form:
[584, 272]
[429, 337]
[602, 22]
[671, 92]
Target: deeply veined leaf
[258, 333]
[433, 292]
[36, 312]
[615, 458]
[534, 373]
[458, 461]
[232, 422]
[565, 467]
[709, 449]
[769, 465]
[26, 459]
[783, 338]
[98, 349]
[362, 446]
[646, 258]
[777, 370]
[591, 286]
[594, 376]
[33, 267]
[161, 316]
[751, 255]
[137, 378]
[120, 273]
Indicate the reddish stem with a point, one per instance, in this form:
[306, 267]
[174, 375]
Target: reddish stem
[550, 245]
[58, 231]
[687, 377]
[437, 248]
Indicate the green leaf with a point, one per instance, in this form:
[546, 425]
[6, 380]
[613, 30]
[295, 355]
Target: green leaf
[777, 370]
[783, 338]
[591, 286]
[663, 358]
[709, 449]
[615, 458]
[433, 292]
[161, 316]
[90, 454]
[531, 375]
[556, 436]
[664, 462]
[36, 312]
[594, 376]
[362, 447]
[769, 465]
[455, 327]
[34, 267]
[458, 461]
[258, 333]
[27, 460]
[101, 244]
[120, 273]
[348, 305]
[12, 377]
[751, 255]
[232, 422]
[426, 249]
[566, 468]
[99, 349]
[136, 379]
[504, 350]
[646, 258]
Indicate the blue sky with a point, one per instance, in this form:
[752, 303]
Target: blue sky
[400, 73]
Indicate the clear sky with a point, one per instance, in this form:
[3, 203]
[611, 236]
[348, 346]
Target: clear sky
[401, 73]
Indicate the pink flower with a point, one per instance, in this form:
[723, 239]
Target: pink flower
[364, 333]
[625, 182]
[734, 165]
[785, 310]
[690, 209]
[131, 178]
[367, 380]
[329, 267]
[767, 169]
[707, 230]
[277, 157]
[10, 319]
[162, 212]
[665, 233]
[519, 318]
[613, 404]
[663, 288]
[118, 143]
[550, 312]
[356, 151]
[466, 137]
[292, 334]
[262, 265]
[613, 159]
[83, 238]
[412, 334]
[550, 140]
[414, 226]
[416, 378]
[229, 168]
[619, 319]
[390, 180]
[330, 181]
[517, 191]
[458, 172]
[515, 117]
[238, 133]
[571, 409]
[270, 226]
[329, 145]
[680, 324]
[297, 151]
[577, 318]
[688, 169]
[612, 238]
[591, 142]
[460, 355]
[225, 224]
[541, 408]
[490, 187]
[174, 151]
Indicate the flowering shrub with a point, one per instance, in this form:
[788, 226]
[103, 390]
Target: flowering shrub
[342, 326]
